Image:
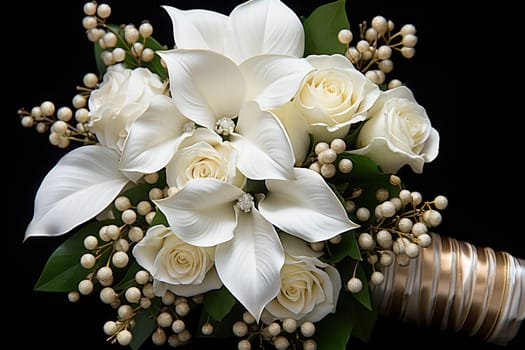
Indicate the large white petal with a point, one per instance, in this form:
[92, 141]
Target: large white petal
[264, 149]
[296, 128]
[389, 157]
[264, 26]
[305, 207]
[202, 211]
[249, 265]
[205, 85]
[273, 79]
[78, 187]
[153, 137]
[198, 29]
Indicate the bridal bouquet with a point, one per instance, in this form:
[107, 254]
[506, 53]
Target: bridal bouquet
[241, 184]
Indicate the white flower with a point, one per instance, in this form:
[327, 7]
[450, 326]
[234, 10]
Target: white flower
[212, 91]
[249, 255]
[123, 95]
[398, 132]
[80, 186]
[204, 155]
[176, 266]
[332, 96]
[309, 287]
[254, 27]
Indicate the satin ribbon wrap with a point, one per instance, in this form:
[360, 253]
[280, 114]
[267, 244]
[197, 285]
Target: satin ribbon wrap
[454, 285]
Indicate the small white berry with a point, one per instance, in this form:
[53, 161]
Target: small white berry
[419, 228]
[377, 277]
[164, 319]
[441, 202]
[281, 343]
[87, 260]
[366, 241]
[73, 296]
[142, 277]
[240, 329]
[379, 23]
[86, 287]
[289, 325]
[125, 312]
[178, 326]
[362, 213]
[345, 36]
[432, 218]
[244, 344]
[129, 216]
[124, 337]
[274, 329]
[424, 240]
[107, 295]
[110, 327]
[386, 259]
[412, 250]
[309, 344]
[90, 242]
[207, 328]
[307, 329]
[354, 285]
[345, 165]
[120, 259]
[103, 10]
[405, 225]
[133, 294]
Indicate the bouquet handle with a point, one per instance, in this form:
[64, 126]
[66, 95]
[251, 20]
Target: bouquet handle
[454, 285]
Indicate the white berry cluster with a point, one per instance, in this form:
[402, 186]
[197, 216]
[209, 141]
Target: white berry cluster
[117, 43]
[372, 53]
[64, 124]
[396, 231]
[326, 160]
[108, 255]
[282, 335]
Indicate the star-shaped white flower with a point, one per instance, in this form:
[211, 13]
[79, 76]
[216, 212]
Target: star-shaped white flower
[213, 91]
[249, 254]
[254, 27]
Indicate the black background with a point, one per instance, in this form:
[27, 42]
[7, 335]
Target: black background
[455, 75]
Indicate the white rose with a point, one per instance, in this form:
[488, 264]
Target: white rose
[398, 132]
[333, 96]
[177, 266]
[204, 155]
[309, 287]
[123, 95]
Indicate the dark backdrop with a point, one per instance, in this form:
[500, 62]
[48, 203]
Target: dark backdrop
[454, 74]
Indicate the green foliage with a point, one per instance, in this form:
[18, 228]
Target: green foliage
[322, 26]
[145, 324]
[63, 271]
[218, 303]
[348, 247]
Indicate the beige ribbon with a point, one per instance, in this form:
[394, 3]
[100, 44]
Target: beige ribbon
[454, 285]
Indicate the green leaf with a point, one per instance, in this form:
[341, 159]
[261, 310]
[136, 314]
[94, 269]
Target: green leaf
[364, 327]
[348, 247]
[346, 269]
[322, 26]
[145, 324]
[334, 330]
[352, 317]
[63, 271]
[218, 303]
